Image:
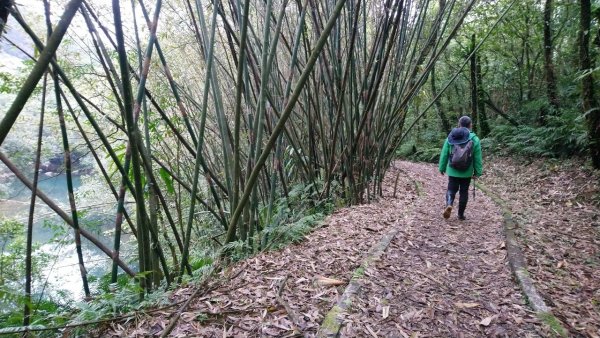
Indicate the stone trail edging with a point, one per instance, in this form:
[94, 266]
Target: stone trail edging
[333, 321]
[518, 266]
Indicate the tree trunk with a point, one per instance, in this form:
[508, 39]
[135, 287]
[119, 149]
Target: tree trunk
[474, 96]
[445, 123]
[590, 105]
[549, 64]
[485, 127]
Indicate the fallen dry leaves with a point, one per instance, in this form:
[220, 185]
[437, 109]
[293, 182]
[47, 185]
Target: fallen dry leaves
[437, 278]
[443, 278]
[557, 207]
[317, 271]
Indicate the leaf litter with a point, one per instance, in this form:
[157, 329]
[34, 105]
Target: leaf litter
[317, 269]
[437, 278]
[443, 278]
[557, 207]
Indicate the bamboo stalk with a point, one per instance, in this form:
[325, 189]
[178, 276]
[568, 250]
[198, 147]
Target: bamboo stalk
[133, 133]
[145, 152]
[238, 106]
[284, 117]
[199, 158]
[338, 114]
[68, 166]
[38, 70]
[29, 240]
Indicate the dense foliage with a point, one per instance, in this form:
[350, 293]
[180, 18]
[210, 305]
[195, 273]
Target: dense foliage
[518, 107]
[218, 129]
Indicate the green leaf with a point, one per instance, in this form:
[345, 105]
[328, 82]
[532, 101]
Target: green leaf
[166, 177]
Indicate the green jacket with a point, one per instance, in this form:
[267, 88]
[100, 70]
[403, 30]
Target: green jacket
[476, 167]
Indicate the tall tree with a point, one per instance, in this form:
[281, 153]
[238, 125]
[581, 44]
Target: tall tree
[590, 105]
[474, 83]
[445, 123]
[483, 122]
[550, 77]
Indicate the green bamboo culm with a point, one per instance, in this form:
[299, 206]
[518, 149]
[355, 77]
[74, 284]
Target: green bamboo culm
[284, 116]
[239, 88]
[29, 239]
[68, 165]
[39, 69]
[199, 156]
[133, 133]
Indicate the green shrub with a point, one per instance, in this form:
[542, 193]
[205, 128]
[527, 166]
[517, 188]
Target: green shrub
[562, 136]
[426, 151]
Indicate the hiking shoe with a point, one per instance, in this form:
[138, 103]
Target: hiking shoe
[447, 211]
[462, 217]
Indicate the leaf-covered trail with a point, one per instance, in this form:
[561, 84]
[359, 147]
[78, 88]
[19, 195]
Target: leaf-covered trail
[556, 204]
[437, 278]
[443, 278]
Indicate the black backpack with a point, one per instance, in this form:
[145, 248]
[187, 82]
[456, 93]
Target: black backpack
[461, 155]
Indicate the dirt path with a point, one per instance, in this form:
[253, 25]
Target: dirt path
[437, 278]
[443, 278]
[557, 207]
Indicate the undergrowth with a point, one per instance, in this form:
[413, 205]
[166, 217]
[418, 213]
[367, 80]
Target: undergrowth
[292, 217]
[564, 135]
[289, 220]
[424, 147]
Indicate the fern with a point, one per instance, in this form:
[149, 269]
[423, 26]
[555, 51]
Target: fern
[563, 135]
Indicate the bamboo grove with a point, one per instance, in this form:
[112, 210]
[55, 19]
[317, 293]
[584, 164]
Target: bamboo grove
[210, 128]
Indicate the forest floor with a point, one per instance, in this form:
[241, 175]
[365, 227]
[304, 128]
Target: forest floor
[437, 277]
[556, 205]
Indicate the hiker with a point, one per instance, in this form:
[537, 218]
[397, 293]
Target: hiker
[461, 160]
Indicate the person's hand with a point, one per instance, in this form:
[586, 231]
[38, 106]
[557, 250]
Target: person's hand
[475, 177]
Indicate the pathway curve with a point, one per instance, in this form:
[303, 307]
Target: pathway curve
[437, 278]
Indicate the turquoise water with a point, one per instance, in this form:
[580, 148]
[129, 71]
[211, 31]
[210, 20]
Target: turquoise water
[19, 197]
[63, 271]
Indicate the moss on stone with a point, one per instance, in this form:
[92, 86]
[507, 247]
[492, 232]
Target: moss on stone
[553, 322]
[330, 325]
[358, 273]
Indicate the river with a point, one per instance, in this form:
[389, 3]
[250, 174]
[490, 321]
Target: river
[61, 274]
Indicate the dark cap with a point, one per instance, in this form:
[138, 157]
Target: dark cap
[459, 135]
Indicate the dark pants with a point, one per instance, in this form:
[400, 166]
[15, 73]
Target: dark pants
[458, 184]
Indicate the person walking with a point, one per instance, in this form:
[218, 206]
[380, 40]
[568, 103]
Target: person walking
[461, 160]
